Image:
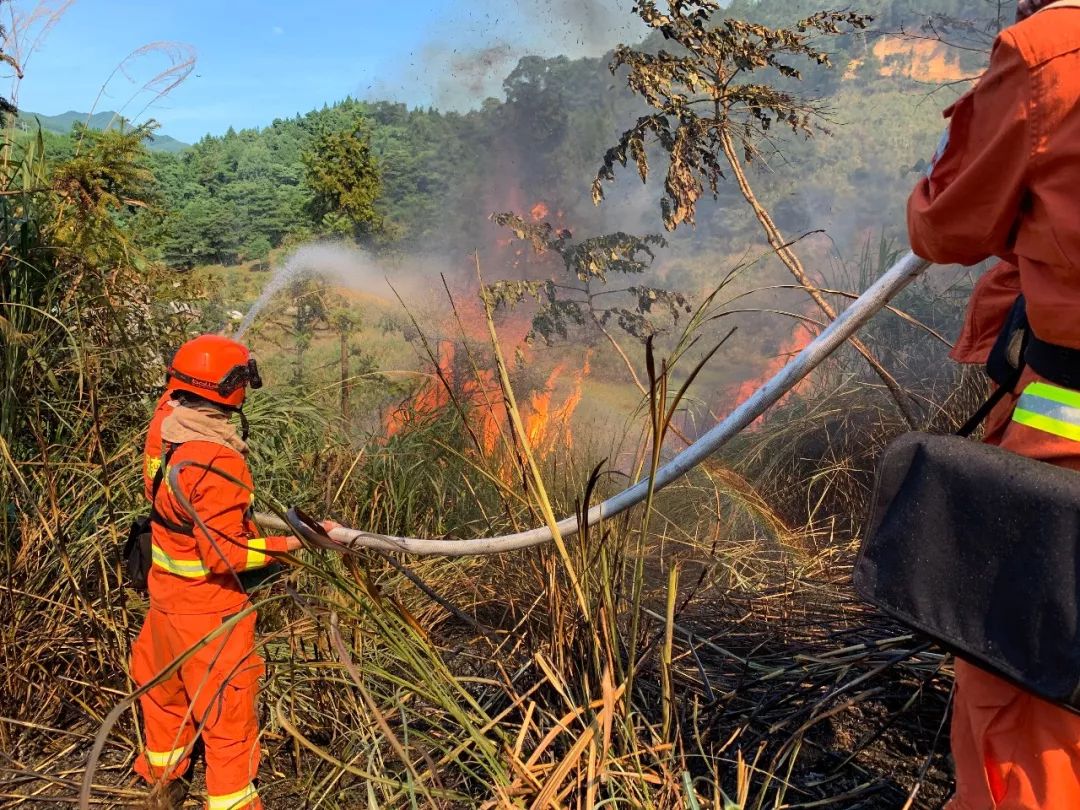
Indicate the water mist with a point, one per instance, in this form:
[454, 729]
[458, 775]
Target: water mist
[344, 263]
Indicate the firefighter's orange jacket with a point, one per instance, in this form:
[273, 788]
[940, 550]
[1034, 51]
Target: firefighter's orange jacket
[196, 573]
[1008, 185]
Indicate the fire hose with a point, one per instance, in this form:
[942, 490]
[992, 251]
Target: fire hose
[864, 308]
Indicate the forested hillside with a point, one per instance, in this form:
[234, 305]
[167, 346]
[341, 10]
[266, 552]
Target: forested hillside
[237, 196]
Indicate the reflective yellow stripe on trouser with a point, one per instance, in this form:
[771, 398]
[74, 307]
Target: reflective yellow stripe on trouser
[232, 801]
[191, 569]
[1050, 409]
[163, 760]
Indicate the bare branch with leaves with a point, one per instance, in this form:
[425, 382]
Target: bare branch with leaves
[711, 110]
[584, 301]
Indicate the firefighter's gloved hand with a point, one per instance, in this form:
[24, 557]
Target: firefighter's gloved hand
[315, 532]
[293, 543]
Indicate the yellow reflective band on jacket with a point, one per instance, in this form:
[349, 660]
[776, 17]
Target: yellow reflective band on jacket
[190, 569]
[233, 801]
[164, 759]
[1050, 409]
[256, 556]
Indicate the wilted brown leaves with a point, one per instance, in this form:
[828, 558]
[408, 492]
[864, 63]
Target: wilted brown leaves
[704, 89]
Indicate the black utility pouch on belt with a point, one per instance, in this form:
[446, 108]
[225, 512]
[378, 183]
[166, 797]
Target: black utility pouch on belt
[979, 549]
[1007, 358]
[138, 553]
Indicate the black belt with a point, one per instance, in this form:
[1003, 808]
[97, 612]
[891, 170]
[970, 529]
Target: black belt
[1058, 364]
[187, 529]
[1017, 348]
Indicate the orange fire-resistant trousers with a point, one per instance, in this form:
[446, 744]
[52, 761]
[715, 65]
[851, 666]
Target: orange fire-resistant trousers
[1012, 750]
[213, 693]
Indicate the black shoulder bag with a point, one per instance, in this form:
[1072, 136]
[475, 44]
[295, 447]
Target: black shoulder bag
[979, 548]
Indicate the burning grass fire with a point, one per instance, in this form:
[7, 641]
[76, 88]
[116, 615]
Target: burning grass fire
[798, 340]
[458, 378]
[475, 394]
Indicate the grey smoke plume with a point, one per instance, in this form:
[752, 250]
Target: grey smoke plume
[582, 27]
[463, 79]
[479, 43]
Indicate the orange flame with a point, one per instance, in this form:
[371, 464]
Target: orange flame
[431, 397]
[456, 382]
[798, 340]
[547, 426]
[538, 422]
[566, 411]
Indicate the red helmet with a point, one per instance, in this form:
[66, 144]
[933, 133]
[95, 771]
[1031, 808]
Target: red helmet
[215, 368]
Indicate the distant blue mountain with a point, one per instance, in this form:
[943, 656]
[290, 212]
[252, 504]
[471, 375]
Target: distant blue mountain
[61, 124]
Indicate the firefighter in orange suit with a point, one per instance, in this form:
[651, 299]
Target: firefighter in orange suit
[1006, 183]
[193, 583]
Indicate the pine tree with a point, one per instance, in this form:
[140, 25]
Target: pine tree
[343, 176]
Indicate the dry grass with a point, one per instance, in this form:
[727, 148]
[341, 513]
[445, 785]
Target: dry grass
[709, 652]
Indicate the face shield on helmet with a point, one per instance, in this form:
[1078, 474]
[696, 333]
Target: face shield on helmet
[237, 378]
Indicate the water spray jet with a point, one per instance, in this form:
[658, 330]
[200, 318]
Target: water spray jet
[346, 264]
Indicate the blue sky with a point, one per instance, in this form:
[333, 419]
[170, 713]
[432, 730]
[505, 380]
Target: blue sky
[257, 61]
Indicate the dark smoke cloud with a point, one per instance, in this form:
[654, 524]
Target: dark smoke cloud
[462, 79]
[474, 47]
